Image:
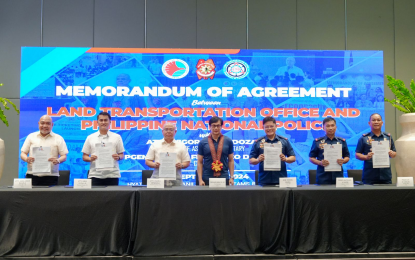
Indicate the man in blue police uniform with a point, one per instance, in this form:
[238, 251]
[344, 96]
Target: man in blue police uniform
[364, 152]
[215, 155]
[317, 153]
[257, 153]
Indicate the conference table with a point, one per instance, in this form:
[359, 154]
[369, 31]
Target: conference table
[193, 220]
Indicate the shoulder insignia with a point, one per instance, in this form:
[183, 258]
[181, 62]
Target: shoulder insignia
[344, 140]
[365, 134]
[318, 139]
[282, 137]
[259, 139]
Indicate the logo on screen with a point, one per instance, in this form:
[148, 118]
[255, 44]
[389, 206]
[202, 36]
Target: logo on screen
[175, 69]
[205, 69]
[236, 69]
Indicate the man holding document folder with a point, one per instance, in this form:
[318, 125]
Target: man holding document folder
[168, 157]
[329, 153]
[271, 152]
[41, 151]
[375, 148]
[103, 150]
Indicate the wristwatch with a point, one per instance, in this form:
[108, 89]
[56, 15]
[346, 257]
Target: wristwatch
[231, 177]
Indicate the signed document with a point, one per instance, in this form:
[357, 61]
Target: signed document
[41, 163]
[380, 151]
[167, 168]
[104, 154]
[272, 154]
[333, 152]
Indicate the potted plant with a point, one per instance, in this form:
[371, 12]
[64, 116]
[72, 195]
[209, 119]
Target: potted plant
[4, 103]
[405, 102]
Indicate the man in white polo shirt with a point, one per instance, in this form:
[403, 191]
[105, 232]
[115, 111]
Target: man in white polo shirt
[168, 145]
[103, 138]
[44, 138]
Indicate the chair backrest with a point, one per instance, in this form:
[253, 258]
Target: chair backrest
[256, 177]
[356, 174]
[312, 174]
[145, 175]
[64, 177]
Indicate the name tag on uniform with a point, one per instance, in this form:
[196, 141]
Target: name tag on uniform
[405, 182]
[82, 183]
[217, 183]
[22, 183]
[344, 183]
[155, 183]
[290, 182]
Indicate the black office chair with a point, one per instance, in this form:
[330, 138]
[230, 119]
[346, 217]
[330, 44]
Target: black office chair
[256, 177]
[64, 177]
[312, 176]
[145, 175]
[356, 174]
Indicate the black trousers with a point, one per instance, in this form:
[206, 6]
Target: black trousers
[104, 182]
[43, 181]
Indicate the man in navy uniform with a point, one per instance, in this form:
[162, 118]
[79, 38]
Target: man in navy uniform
[316, 155]
[364, 152]
[257, 153]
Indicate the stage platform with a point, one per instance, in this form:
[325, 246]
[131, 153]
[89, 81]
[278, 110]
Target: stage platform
[243, 222]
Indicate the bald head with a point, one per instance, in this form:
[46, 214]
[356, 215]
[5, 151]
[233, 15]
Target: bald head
[169, 131]
[45, 117]
[45, 125]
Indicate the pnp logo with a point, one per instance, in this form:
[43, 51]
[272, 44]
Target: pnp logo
[135, 157]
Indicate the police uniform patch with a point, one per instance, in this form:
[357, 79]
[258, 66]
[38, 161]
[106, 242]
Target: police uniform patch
[261, 145]
[322, 144]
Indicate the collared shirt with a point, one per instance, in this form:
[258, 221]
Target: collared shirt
[161, 146]
[364, 146]
[89, 148]
[204, 150]
[54, 141]
[271, 177]
[317, 151]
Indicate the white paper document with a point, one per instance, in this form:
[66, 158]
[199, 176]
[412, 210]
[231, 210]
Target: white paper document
[104, 152]
[167, 169]
[272, 154]
[380, 151]
[41, 163]
[332, 152]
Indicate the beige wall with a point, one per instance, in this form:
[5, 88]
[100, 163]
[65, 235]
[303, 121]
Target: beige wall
[258, 24]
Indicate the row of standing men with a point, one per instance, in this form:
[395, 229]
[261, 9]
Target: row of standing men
[215, 157]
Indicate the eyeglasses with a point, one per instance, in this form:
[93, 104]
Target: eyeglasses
[269, 127]
[169, 129]
[215, 126]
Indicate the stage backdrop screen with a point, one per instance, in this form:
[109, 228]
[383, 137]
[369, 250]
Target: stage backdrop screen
[144, 88]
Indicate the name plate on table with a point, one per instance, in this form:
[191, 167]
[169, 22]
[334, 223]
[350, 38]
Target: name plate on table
[344, 183]
[217, 183]
[405, 182]
[290, 182]
[82, 183]
[22, 183]
[155, 183]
